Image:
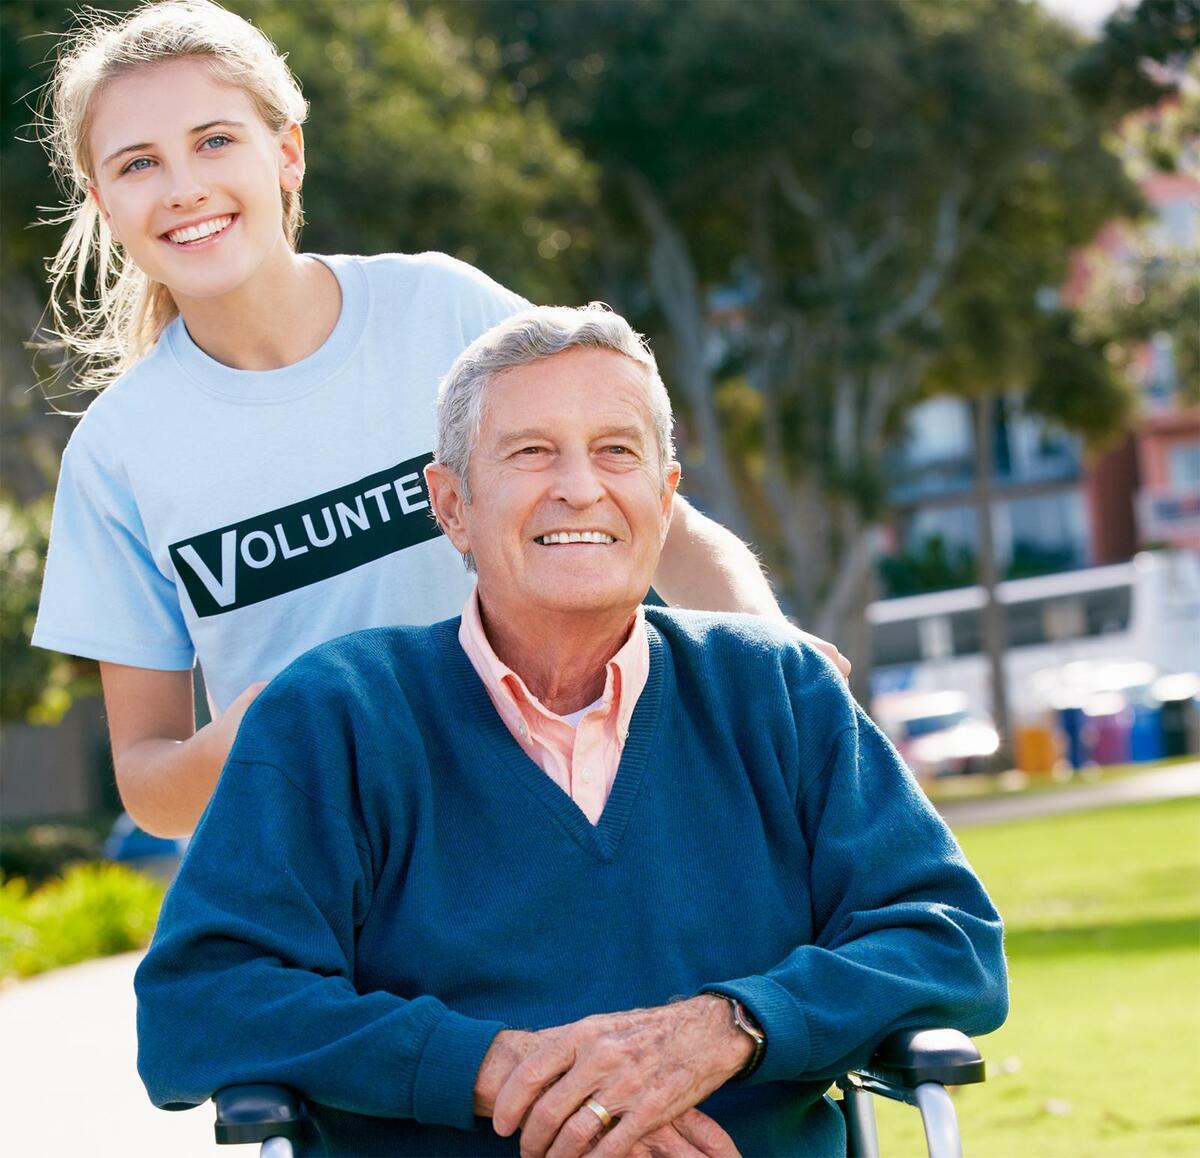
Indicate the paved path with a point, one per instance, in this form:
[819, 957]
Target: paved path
[68, 1083]
[1161, 784]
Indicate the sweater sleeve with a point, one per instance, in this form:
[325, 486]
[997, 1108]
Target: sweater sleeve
[905, 935]
[250, 977]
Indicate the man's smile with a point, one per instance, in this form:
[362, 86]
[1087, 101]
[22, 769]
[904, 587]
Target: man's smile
[557, 538]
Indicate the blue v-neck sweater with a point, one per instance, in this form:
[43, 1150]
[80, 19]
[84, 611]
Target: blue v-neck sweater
[383, 880]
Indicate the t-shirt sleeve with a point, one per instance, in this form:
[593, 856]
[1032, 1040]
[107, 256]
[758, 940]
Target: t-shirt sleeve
[103, 595]
[482, 302]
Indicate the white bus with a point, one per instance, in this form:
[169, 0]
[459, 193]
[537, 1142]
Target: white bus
[1066, 635]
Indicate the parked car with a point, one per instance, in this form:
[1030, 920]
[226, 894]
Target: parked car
[936, 733]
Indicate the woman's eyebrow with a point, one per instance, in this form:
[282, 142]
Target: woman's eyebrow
[193, 132]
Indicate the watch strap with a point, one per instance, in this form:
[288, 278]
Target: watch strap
[743, 1019]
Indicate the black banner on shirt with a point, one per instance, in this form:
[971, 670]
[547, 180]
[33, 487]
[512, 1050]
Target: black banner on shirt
[282, 550]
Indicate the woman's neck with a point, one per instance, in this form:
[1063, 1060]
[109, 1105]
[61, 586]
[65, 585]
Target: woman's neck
[277, 318]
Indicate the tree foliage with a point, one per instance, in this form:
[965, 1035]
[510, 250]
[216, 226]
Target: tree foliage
[1112, 75]
[1141, 301]
[880, 190]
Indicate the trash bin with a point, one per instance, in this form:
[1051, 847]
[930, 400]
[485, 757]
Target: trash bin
[1110, 737]
[1074, 727]
[1035, 747]
[1175, 727]
[1177, 693]
[1146, 734]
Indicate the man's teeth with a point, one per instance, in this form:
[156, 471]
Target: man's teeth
[204, 229]
[576, 537]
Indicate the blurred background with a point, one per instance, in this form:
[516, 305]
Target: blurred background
[923, 277]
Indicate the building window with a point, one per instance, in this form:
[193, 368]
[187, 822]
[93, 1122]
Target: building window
[1183, 465]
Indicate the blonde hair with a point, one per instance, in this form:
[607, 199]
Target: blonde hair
[108, 332]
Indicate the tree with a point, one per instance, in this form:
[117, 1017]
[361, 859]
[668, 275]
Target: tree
[1143, 286]
[879, 189]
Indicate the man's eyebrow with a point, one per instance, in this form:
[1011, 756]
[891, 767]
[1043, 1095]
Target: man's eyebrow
[149, 145]
[526, 434]
[629, 433]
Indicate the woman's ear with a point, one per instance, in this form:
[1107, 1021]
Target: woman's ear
[291, 157]
[445, 496]
[94, 194]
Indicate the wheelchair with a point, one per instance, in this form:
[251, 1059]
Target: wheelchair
[913, 1066]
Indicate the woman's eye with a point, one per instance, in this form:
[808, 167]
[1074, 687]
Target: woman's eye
[216, 141]
[137, 165]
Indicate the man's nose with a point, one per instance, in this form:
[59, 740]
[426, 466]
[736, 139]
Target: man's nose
[576, 480]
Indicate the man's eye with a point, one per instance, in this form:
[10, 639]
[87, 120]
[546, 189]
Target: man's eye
[529, 450]
[618, 450]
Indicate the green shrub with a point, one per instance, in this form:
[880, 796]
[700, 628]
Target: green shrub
[39, 852]
[93, 911]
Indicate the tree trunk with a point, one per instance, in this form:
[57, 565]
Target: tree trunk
[677, 291]
[991, 616]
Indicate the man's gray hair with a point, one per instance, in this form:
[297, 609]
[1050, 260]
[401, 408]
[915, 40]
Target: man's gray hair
[525, 338]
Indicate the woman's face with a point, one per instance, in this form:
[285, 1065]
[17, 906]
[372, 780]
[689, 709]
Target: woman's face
[189, 178]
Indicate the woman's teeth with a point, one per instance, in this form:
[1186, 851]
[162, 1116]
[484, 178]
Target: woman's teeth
[201, 231]
[576, 537]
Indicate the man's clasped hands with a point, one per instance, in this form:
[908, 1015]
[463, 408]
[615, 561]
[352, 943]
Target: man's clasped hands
[647, 1069]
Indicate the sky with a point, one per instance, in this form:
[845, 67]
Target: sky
[1088, 15]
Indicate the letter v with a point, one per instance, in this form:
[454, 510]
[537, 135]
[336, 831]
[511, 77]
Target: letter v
[223, 590]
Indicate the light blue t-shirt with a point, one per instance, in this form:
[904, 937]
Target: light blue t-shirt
[242, 517]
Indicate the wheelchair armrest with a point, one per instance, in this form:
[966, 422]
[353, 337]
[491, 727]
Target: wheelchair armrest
[253, 1113]
[909, 1057]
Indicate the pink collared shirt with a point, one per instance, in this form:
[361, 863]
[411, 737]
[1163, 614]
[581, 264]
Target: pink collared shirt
[581, 760]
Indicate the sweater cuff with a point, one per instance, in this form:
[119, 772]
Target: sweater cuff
[781, 1018]
[444, 1091]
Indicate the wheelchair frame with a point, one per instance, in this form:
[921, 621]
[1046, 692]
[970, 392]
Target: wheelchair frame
[913, 1066]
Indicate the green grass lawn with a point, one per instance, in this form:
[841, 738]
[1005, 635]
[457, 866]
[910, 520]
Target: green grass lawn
[1101, 1052]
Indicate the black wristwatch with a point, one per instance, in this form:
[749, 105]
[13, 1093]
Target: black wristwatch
[744, 1020]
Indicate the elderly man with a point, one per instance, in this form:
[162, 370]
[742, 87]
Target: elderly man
[567, 864]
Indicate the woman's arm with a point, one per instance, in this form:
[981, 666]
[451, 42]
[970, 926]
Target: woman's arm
[166, 769]
[708, 568]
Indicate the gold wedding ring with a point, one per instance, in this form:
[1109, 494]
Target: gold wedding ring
[606, 1119]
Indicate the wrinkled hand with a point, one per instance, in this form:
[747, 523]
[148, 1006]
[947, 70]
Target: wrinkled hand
[691, 1135]
[829, 651]
[647, 1067]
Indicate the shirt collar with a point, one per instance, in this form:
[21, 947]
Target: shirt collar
[625, 674]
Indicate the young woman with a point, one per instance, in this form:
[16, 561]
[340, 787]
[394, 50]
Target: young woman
[248, 484]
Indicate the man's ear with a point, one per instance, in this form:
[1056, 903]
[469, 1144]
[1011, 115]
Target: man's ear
[291, 156]
[445, 495]
[670, 486]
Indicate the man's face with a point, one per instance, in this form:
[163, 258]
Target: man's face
[569, 511]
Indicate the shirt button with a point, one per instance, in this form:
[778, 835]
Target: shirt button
[523, 731]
